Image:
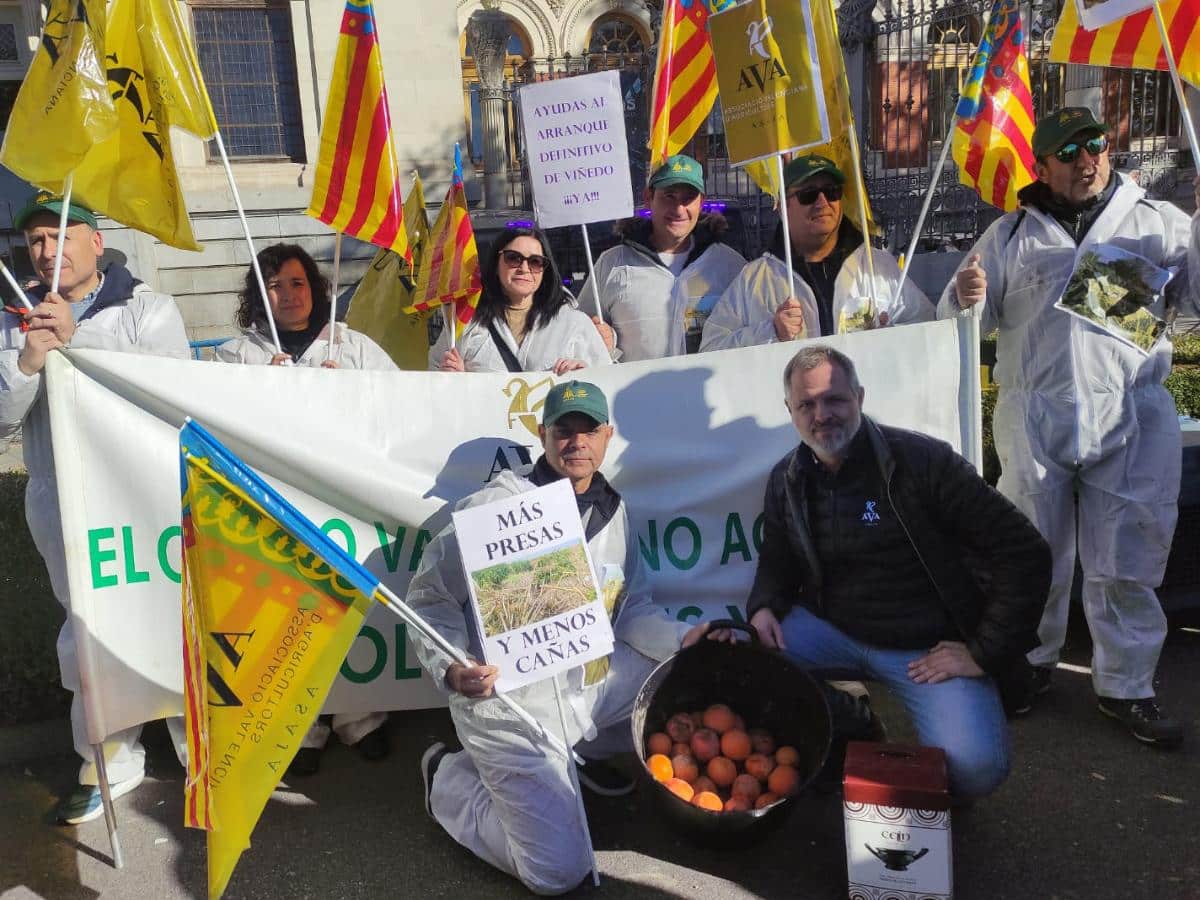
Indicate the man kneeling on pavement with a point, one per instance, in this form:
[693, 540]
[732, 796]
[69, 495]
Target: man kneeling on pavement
[886, 557]
[506, 796]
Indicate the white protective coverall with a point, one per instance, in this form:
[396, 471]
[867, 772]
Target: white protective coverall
[506, 797]
[1083, 411]
[569, 335]
[745, 314]
[652, 311]
[145, 322]
[351, 350]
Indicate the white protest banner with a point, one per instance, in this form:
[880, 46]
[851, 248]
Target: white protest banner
[373, 458]
[535, 598]
[1095, 14]
[575, 144]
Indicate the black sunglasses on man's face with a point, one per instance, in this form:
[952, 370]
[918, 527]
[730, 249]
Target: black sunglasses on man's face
[808, 196]
[1068, 153]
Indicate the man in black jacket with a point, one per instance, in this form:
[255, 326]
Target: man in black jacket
[864, 569]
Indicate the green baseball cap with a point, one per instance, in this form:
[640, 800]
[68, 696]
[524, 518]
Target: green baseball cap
[679, 169]
[44, 201]
[1055, 130]
[804, 167]
[575, 397]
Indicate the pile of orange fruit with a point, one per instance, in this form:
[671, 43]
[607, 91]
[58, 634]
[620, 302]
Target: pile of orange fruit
[711, 760]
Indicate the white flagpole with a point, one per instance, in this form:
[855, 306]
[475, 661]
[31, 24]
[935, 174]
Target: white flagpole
[409, 617]
[783, 217]
[110, 816]
[449, 320]
[337, 266]
[574, 776]
[12, 283]
[587, 249]
[856, 161]
[1188, 125]
[241, 211]
[62, 231]
[906, 259]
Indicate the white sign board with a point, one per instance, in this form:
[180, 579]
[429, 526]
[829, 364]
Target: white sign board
[1095, 14]
[575, 143]
[533, 587]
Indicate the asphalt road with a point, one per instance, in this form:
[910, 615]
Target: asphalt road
[1087, 813]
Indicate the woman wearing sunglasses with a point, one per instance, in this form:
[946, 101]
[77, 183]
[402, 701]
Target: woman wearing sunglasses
[526, 321]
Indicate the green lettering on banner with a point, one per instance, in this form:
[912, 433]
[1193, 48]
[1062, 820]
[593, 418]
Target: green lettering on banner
[168, 535]
[650, 554]
[423, 538]
[682, 562]
[735, 539]
[689, 612]
[132, 574]
[758, 531]
[346, 532]
[98, 557]
[391, 549]
[404, 672]
[372, 635]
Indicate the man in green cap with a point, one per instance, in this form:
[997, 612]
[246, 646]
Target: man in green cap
[506, 796]
[93, 309]
[656, 288]
[829, 290]
[1087, 435]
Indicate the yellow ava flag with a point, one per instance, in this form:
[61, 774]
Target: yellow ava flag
[377, 308]
[155, 83]
[769, 77]
[63, 106]
[270, 607]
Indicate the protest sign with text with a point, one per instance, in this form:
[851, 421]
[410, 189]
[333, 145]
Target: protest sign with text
[533, 589]
[575, 143]
[769, 74]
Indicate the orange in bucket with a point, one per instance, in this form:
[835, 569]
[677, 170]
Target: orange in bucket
[707, 800]
[737, 803]
[680, 727]
[765, 800]
[746, 786]
[784, 780]
[686, 767]
[722, 771]
[660, 767]
[659, 742]
[787, 756]
[759, 765]
[719, 717]
[735, 744]
[680, 788]
[705, 745]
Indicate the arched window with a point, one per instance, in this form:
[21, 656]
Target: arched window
[616, 35]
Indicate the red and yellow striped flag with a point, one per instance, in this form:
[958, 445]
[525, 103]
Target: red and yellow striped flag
[1133, 42]
[991, 142]
[449, 260]
[685, 76]
[357, 187]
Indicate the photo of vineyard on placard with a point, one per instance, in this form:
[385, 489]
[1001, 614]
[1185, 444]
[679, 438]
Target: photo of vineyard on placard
[514, 594]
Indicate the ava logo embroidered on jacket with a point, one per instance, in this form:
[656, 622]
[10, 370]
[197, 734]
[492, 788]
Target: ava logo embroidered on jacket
[870, 516]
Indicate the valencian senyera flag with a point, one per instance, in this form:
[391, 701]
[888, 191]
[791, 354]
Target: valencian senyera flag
[63, 107]
[991, 142]
[357, 190]
[449, 272]
[1133, 42]
[271, 605]
[386, 288]
[685, 76]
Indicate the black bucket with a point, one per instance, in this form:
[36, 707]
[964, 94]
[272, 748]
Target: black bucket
[762, 685]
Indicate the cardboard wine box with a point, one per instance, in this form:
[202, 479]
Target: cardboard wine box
[896, 805]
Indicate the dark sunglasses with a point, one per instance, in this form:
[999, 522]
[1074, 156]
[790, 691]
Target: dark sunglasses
[808, 196]
[537, 262]
[1068, 153]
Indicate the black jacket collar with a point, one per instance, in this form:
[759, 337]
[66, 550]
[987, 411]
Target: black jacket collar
[600, 497]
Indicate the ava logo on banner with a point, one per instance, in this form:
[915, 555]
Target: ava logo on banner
[576, 147]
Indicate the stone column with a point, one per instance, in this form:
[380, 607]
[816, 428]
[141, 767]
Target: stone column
[488, 33]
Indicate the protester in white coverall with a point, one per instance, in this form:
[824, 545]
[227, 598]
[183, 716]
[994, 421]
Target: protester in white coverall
[300, 303]
[525, 321]
[831, 279]
[506, 796]
[93, 310]
[657, 287]
[1087, 435]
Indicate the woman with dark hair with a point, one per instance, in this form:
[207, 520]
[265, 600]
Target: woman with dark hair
[526, 321]
[300, 298]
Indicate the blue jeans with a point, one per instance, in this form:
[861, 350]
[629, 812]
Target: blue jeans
[963, 716]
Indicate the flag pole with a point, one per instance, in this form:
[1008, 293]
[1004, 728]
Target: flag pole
[574, 776]
[12, 283]
[906, 259]
[856, 161]
[110, 816]
[241, 211]
[787, 234]
[409, 617]
[1188, 125]
[68, 185]
[337, 266]
[587, 250]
